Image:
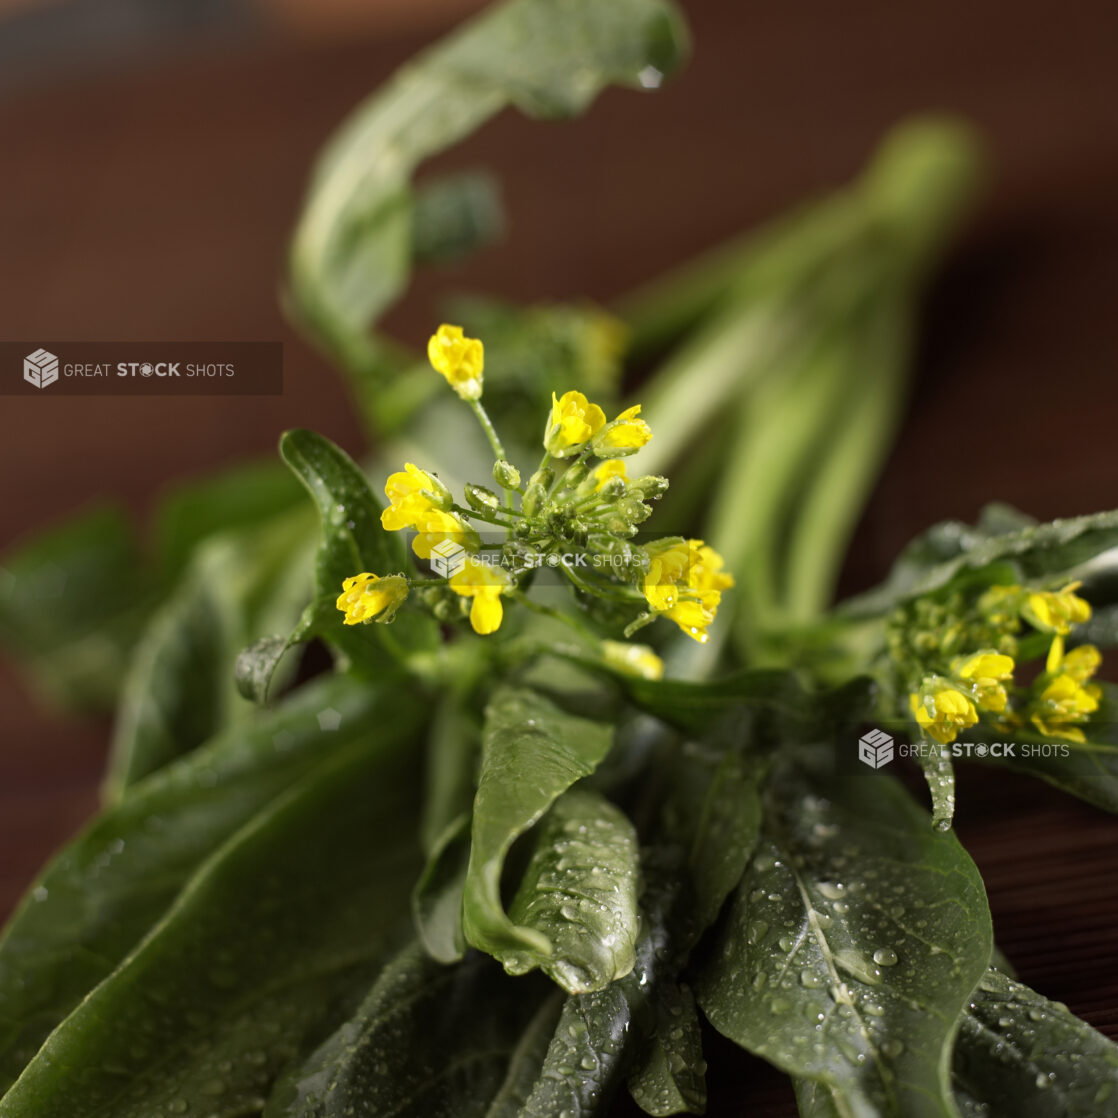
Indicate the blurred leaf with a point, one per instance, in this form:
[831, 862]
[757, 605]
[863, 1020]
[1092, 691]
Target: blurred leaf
[455, 215]
[233, 499]
[1086, 769]
[271, 943]
[427, 1042]
[72, 602]
[453, 749]
[99, 896]
[1053, 551]
[351, 251]
[436, 900]
[857, 916]
[181, 687]
[1019, 1054]
[532, 752]
[579, 892]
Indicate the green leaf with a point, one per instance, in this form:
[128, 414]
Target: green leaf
[351, 251]
[1020, 1054]
[713, 812]
[270, 944]
[352, 541]
[1087, 769]
[436, 900]
[669, 1077]
[352, 537]
[233, 499]
[1052, 551]
[102, 893]
[453, 749]
[454, 216]
[181, 687]
[852, 946]
[72, 602]
[428, 1042]
[593, 1043]
[580, 893]
[532, 752]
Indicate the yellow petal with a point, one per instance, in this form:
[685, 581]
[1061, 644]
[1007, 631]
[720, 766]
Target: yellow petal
[486, 612]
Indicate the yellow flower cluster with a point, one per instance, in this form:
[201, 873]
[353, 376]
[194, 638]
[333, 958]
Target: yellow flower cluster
[1059, 699]
[684, 582]
[414, 500]
[1063, 695]
[563, 505]
[576, 424]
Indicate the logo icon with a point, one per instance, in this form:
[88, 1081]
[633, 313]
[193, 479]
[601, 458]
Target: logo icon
[40, 368]
[875, 749]
[447, 558]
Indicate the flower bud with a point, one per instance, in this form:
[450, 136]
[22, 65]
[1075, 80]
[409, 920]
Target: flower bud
[534, 498]
[649, 488]
[480, 498]
[506, 475]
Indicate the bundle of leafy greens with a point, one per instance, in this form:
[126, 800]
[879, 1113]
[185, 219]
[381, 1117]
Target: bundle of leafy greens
[501, 859]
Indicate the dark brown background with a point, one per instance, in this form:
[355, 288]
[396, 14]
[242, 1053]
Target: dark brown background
[148, 196]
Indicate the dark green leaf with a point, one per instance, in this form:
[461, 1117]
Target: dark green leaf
[453, 749]
[181, 688]
[852, 946]
[1021, 1056]
[669, 1075]
[1086, 769]
[352, 541]
[532, 752]
[270, 943]
[352, 537]
[1051, 551]
[593, 1043]
[428, 1042]
[72, 602]
[103, 892]
[437, 897]
[350, 256]
[713, 812]
[580, 893]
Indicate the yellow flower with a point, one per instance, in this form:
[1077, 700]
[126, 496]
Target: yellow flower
[605, 471]
[434, 527]
[408, 504]
[684, 582]
[1063, 701]
[365, 595]
[1056, 611]
[625, 435]
[459, 359]
[573, 420]
[986, 672]
[484, 583]
[1081, 663]
[633, 659]
[942, 712]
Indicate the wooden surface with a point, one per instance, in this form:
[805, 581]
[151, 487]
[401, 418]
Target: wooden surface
[153, 201]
